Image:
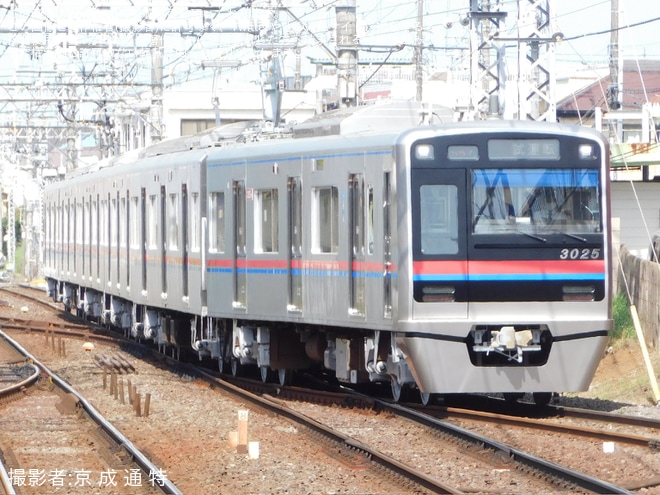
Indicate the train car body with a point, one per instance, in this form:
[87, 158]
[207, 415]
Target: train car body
[464, 257]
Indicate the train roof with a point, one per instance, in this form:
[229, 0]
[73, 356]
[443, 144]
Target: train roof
[393, 116]
[377, 120]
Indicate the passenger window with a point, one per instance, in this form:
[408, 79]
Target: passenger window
[325, 226]
[266, 221]
[217, 222]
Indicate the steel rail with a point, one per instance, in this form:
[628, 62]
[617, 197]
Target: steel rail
[138, 457]
[580, 479]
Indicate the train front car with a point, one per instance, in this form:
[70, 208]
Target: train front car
[509, 275]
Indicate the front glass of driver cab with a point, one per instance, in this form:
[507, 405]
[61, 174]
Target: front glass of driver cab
[535, 201]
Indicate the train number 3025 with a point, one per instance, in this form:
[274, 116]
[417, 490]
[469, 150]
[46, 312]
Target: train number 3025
[580, 254]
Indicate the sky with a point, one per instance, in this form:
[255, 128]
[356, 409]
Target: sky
[102, 48]
[380, 22]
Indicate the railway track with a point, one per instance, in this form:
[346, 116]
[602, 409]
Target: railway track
[488, 459]
[59, 455]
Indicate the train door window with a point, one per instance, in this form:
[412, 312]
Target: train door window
[325, 221]
[173, 222]
[356, 191]
[114, 227]
[104, 223]
[217, 222]
[266, 223]
[194, 223]
[152, 222]
[438, 214]
[65, 234]
[134, 235]
[240, 220]
[122, 228]
[79, 231]
[370, 219]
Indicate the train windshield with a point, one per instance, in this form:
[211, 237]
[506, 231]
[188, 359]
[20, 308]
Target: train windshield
[535, 201]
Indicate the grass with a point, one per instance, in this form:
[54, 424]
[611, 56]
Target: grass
[623, 323]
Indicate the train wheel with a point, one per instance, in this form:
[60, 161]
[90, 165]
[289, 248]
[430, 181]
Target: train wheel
[425, 397]
[397, 389]
[542, 398]
[265, 373]
[284, 376]
[236, 367]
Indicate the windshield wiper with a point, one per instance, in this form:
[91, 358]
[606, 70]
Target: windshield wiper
[533, 236]
[576, 237]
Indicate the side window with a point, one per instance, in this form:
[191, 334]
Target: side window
[266, 221]
[217, 222]
[325, 221]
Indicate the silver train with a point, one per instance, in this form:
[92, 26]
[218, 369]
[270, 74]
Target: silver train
[444, 258]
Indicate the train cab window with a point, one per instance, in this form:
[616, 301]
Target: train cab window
[173, 222]
[438, 214]
[266, 222]
[325, 220]
[535, 201]
[217, 222]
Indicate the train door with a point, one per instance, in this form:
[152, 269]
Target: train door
[240, 245]
[127, 237]
[439, 243]
[387, 246]
[163, 240]
[184, 239]
[96, 239]
[143, 237]
[294, 205]
[356, 264]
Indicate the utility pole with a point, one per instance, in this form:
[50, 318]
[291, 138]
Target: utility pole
[615, 90]
[486, 82]
[536, 61]
[347, 62]
[419, 47]
[157, 88]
